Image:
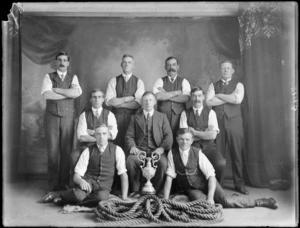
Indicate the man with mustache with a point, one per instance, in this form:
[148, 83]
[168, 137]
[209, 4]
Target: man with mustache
[202, 122]
[225, 96]
[172, 92]
[124, 94]
[60, 88]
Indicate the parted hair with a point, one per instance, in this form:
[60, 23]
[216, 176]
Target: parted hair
[182, 131]
[63, 53]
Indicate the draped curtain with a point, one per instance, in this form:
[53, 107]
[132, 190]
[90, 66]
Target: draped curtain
[267, 150]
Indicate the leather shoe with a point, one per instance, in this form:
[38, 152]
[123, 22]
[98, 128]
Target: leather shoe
[242, 190]
[269, 203]
[59, 201]
[50, 196]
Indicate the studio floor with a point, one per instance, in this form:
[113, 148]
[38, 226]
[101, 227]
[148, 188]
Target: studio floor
[22, 207]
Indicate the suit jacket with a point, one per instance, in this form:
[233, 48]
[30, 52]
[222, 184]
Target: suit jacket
[162, 132]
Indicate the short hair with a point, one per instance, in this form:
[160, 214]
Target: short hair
[197, 88]
[227, 61]
[148, 93]
[97, 90]
[171, 57]
[182, 131]
[63, 53]
[127, 55]
[101, 125]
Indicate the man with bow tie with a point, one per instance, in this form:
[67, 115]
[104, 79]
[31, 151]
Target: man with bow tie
[225, 96]
[148, 131]
[94, 173]
[172, 93]
[60, 88]
[201, 120]
[124, 94]
[90, 118]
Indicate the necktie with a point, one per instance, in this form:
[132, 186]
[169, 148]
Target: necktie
[172, 79]
[197, 114]
[225, 83]
[97, 114]
[62, 77]
[148, 121]
[101, 149]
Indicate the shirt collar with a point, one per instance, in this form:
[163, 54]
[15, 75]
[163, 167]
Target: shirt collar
[199, 109]
[61, 73]
[99, 109]
[184, 151]
[228, 80]
[103, 147]
[127, 76]
[171, 78]
[145, 113]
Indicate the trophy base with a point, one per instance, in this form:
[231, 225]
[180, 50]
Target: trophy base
[146, 190]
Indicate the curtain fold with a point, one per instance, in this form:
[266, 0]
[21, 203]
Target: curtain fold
[266, 145]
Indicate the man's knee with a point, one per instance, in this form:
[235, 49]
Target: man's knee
[132, 162]
[103, 195]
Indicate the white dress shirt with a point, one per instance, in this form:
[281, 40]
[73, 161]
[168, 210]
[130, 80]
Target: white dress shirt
[212, 120]
[47, 83]
[186, 88]
[204, 164]
[82, 164]
[111, 121]
[238, 92]
[111, 88]
[146, 113]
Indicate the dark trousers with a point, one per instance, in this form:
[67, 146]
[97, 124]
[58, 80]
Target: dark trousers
[174, 120]
[135, 174]
[227, 201]
[78, 196]
[215, 158]
[231, 135]
[59, 132]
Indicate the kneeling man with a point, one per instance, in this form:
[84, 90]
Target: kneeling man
[94, 172]
[196, 177]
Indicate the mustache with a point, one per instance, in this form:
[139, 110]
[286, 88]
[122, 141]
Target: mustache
[171, 70]
[61, 65]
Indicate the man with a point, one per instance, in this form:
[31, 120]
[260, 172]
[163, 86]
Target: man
[202, 122]
[94, 173]
[196, 177]
[148, 131]
[93, 116]
[172, 92]
[123, 94]
[60, 88]
[225, 96]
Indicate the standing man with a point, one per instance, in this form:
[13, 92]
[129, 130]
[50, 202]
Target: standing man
[196, 177]
[60, 88]
[202, 122]
[91, 118]
[94, 173]
[148, 131]
[124, 94]
[225, 96]
[172, 92]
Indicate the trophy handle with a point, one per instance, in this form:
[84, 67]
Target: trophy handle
[142, 157]
[155, 158]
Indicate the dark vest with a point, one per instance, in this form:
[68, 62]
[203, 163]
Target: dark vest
[93, 122]
[148, 143]
[189, 176]
[102, 167]
[200, 125]
[230, 110]
[167, 106]
[124, 89]
[62, 107]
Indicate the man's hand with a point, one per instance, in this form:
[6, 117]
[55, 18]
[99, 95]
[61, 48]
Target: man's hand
[210, 200]
[55, 90]
[134, 150]
[192, 130]
[178, 92]
[129, 99]
[159, 150]
[85, 186]
[91, 132]
[160, 89]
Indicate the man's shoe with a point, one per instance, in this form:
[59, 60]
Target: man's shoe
[51, 196]
[264, 202]
[242, 190]
[59, 201]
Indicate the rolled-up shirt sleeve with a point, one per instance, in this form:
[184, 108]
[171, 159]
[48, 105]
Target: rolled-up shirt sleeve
[157, 85]
[140, 91]
[186, 87]
[183, 120]
[75, 84]
[213, 122]
[111, 121]
[82, 126]
[171, 166]
[239, 93]
[111, 90]
[205, 166]
[47, 84]
[82, 163]
[120, 161]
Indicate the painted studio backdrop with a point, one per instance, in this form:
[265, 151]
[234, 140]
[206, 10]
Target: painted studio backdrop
[97, 44]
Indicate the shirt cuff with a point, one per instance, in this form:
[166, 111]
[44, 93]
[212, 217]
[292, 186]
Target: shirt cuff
[171, 174]
[122, 171]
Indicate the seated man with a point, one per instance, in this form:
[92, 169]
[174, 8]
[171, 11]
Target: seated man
[94, 173]
[202, 122]
[196, 177]
[147, 131]
[93, 116]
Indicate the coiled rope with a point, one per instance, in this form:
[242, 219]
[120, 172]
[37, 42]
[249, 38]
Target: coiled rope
[150, 208]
